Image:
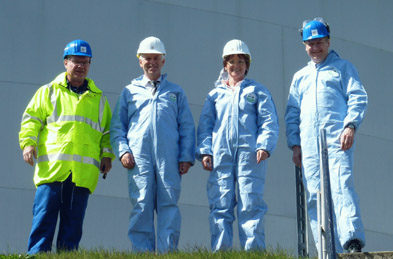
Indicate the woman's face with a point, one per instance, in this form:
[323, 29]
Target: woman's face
[236, 67]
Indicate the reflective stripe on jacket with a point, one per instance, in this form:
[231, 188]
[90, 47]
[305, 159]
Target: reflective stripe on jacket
[72, 132]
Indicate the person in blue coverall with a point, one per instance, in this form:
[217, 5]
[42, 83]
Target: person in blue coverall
[237, 132]
[153, 133]
[327, 94]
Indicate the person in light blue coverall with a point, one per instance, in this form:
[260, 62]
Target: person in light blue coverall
[237, 132]
[327, 94]
[153, 134]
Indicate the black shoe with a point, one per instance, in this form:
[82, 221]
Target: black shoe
[354, 246]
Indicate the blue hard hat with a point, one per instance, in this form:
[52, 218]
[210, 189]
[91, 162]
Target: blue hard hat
[77, 48]
[314, 30]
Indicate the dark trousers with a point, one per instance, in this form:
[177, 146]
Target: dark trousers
[52, 199]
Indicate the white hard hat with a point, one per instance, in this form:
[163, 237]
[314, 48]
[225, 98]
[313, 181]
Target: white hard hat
[235, 47]
[151, 45]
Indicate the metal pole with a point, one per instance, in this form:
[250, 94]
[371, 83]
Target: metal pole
[301, 201]
[329, 248]
[321, 239]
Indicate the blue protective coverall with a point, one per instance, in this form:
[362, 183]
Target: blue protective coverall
[159, 131]
[233, 125]
[328, 95]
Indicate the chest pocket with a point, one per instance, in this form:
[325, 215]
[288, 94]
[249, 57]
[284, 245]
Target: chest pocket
[247, 102]
[167, 105]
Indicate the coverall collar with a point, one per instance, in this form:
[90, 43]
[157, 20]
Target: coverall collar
[144, 81]
[330, 57]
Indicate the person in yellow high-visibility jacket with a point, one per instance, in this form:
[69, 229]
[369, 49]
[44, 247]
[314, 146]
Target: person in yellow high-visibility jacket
[65, 127]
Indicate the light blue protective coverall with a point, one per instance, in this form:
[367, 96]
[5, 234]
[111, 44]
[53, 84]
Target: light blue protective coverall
[233, 125]
[328, 96]
[159, 131]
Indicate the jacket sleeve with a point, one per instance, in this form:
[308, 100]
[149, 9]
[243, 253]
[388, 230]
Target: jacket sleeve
[119, 126]
[186, 131]
[292, 116]
[267, 122]
[356, 97]
[205, 129]
[106, 149]
[34, 118]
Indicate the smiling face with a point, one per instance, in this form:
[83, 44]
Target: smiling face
[317, 49]
[77, 68]
[236, 66]
[151, 65]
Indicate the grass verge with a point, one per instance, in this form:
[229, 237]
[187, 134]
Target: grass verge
[197, 254]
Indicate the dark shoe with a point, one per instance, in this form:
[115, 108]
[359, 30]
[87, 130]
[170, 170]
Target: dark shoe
[354, 246]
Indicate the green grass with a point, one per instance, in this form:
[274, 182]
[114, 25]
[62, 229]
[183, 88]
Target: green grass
[196, 254]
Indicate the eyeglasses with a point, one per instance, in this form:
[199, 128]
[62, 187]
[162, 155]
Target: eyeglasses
[80, 63]
[315, 42]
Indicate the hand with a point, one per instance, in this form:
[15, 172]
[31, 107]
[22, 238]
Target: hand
[262, 155]
[346, 138]
[297, 156]
[106, 165]
[183, 167]
[29, 153]
[207, 162]
[127, 160]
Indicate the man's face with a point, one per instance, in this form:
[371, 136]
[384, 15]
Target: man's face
[317, 49]
[77, 68]
[151, 65]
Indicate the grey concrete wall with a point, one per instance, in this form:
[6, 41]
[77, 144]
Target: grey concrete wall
[34, 33]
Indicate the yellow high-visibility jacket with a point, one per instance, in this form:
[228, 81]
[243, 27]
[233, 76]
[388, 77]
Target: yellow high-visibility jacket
[70, 131]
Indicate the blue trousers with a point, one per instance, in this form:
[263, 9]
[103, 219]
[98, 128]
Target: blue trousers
[249, 177]
[154, 190]
[52, 199]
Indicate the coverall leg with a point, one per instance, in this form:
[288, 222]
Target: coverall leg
[346, 202]
[142, 192]
[168, 214]
[251, 207]
[347, 221]
[313, 188]
[221, 194]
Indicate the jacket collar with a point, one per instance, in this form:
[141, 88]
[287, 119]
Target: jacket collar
[62, 80]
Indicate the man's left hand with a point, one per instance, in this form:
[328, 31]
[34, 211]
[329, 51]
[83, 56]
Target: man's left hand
[262, 155]
[183, 167]
[347, 138]
[106, 165]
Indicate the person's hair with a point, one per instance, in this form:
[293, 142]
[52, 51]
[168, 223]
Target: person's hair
[243, 56]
